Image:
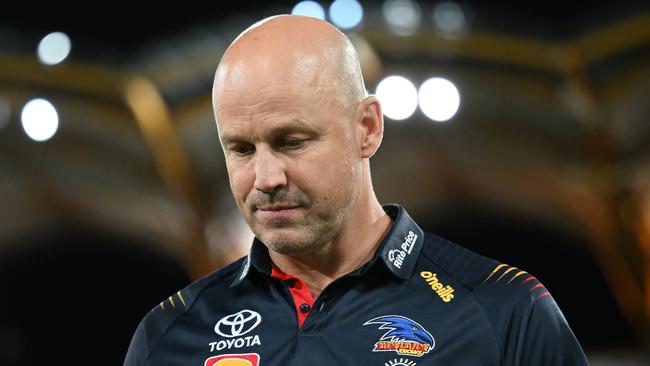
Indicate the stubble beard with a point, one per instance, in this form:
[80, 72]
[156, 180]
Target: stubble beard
[320, 225]
[307, 236]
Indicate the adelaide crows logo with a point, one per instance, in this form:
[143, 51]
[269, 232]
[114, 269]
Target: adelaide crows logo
[404, 336]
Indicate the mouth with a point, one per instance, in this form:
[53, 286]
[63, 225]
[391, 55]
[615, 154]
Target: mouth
[277, 212]
[276, 207]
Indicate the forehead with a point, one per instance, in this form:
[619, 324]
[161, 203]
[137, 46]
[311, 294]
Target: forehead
[246, 74]
[265, 89]
[249, 81]
[271, 109]
[245, 96]
[261, 100]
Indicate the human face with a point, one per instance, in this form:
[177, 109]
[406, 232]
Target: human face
[292, 162]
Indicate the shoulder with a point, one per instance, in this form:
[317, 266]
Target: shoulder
[480, 274]
[463, 265]
[184, 299]
[163, 316]
[505, 293]
[523, 315]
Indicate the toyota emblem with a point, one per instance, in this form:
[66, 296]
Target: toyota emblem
[238, 324]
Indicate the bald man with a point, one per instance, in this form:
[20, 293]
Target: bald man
[333, 277]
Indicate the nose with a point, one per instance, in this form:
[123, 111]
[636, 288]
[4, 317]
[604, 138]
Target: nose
[270, 172]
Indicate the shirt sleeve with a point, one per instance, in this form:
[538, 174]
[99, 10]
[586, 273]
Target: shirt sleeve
[148, 334]
[137, 353]
[527, 322]
[547, 338]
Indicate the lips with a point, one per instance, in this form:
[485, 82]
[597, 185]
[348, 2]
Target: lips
[277, 213]
[276, 207]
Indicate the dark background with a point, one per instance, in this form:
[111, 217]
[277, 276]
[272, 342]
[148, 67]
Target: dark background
[93, 234]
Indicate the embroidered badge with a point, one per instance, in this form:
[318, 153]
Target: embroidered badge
[404, 336]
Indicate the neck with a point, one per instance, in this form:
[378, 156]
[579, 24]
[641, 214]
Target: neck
[359, 239]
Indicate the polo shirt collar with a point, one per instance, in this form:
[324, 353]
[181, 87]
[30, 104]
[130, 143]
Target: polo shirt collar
[402, 245]
[399, 249]
[259, 258]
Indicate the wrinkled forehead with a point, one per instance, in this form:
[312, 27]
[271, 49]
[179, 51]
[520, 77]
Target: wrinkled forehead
[264, 98]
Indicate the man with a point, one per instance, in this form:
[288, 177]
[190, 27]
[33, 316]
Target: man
[334, 278]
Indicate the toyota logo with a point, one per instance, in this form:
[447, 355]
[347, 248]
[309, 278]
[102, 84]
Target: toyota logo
[237, 324]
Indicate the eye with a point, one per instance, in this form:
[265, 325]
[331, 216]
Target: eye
[291, 143]
[242, 149]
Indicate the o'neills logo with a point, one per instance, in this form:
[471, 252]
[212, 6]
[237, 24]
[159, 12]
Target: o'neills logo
[446, 293]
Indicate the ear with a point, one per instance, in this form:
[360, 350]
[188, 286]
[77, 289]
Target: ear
[371, 121]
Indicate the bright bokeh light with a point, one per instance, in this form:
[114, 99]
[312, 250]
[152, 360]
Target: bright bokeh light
[398, 97]
[346, 14]
[403, 16]
[39, 119]
[439, 99]
[54, 48]
[449, 17]
[5, 113]
[310, 9]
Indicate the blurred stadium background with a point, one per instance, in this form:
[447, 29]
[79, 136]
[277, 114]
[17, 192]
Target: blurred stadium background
[520, 130]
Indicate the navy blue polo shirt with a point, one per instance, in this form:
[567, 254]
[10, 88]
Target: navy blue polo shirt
[421, 300]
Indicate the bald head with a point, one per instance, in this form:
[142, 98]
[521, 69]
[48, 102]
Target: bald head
[297, 132]
[301, 53]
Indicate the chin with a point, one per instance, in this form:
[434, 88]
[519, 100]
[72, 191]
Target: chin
[288, 243]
